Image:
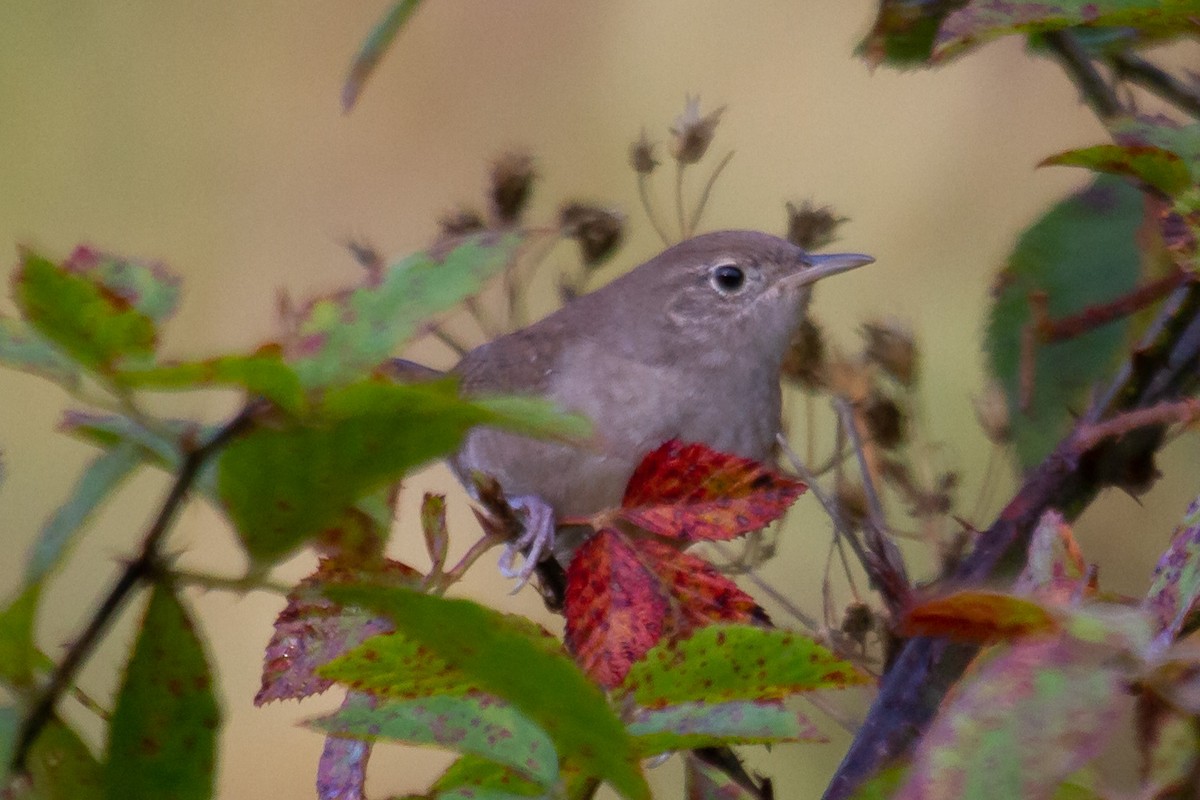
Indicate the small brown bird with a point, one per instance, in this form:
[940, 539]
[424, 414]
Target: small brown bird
[687, 346]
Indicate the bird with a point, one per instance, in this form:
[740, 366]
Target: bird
[687, 346]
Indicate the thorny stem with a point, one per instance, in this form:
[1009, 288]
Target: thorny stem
[143, 568]
[1096, 91]
[712, 179]
[1136, 69]
[648, 207]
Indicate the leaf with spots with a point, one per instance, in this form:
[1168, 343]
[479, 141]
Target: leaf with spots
[262, 373]
[339, 338]
[700, 593]
[473, 778]
[723, 663]
[164, 725]
[692, 492]
[904, 32]
[685, 726]
[98, 309]
[1173, 594]
[312, 630]
[518, 663]
[1020, 724]
[62, 767]
[977, 615]
[1154, 166]
[615, 607]
[476, 724]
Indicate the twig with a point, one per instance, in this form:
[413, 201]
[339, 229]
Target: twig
[712, 179]
[1095, 90]
[1136, 69]
[648, 207]
[142, 568]
[1087, 436]
[454, 344]
[801, 617]
[679, 167]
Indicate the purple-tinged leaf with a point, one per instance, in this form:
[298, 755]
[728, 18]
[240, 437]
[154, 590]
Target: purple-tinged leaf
[312, 630]
[477, 724]
[342, 769]
[1029, 717]
[163, 729]
[1176, 587]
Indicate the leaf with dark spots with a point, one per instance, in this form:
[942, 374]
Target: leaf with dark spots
[517, 662]
[164, 725]
[312, 630]
[614, 606]
[475, 724]
[689, 725]
[471, 776]
[62, 767]
[1161, 169]
[1173, 595]
[722, 663]
[694, 493]
[979, 616]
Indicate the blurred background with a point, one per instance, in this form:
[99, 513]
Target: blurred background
[210, 136]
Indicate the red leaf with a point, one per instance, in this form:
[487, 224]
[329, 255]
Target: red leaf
[703, 595]
[694, 493]
[614, 606]
[978, 616]
[313, 630]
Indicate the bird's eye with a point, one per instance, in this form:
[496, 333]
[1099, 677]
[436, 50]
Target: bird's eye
[728, 279]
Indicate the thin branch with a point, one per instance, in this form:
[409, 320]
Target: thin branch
[801, 617]
[679, 212]
[142, 568]
[1136, 69]
[1096, 91]
[1087, 436]
[648, 207]
[712, 179]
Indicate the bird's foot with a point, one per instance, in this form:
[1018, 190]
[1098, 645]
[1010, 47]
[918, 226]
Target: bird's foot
[535, 542]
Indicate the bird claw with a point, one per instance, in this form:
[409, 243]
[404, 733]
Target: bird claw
[535, 542]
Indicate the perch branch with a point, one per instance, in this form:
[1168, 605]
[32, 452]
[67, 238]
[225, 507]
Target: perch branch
[1096, 91]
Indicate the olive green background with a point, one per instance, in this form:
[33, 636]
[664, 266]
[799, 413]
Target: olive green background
[210, 136]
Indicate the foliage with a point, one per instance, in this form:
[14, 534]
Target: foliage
[664, 652]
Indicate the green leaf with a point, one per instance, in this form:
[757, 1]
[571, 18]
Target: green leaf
[282, 485]
[377, 43]
[1083, 252]
[720, 663]
[471, 777]
[98, 481]
[512, 662]
[90, 309]
[10, 726]
[984, 20]
[18, 653]
[1162, 169]
[164, 727]
[476, 724]
[1019, 725]
[349, 334]
[22, 348]
[690, 725]
[61, 767]
[903, 33]
[263, 373]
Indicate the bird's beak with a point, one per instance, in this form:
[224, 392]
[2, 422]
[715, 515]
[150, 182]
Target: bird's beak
[822, 266]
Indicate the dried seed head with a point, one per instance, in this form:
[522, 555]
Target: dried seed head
[511, 185]
[857, 621]
[804, 361]
[892, 346]
[991, 409]
[596, 230]
[461, 221]
[691, 134]
[812, 228]
[885, 420]
[641, 155]
[852, 504]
